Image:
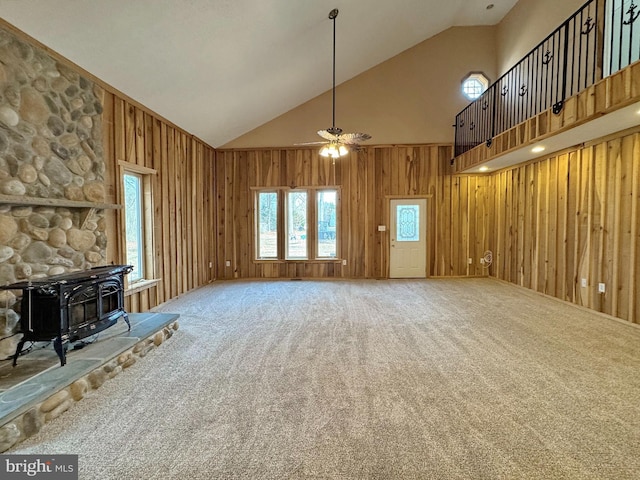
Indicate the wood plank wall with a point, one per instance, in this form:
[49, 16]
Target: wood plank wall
[182, 197]
[458, 213]
[571, 216]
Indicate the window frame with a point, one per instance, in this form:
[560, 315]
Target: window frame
[138, 271]
[147, 177]
[256, 236]
[312, 254]
[317, 223]
[288, 221]
[478, 77]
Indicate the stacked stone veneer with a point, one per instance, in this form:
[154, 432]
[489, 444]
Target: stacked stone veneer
[30, 422]
[51, 150]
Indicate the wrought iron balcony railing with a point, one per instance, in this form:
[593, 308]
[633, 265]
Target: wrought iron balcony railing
[595, 42]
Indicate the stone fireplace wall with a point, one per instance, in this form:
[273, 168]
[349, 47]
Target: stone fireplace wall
[52, 185]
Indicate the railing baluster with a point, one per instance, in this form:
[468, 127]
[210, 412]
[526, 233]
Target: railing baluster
[596, 40]
[516, 94]
[573, 54]
[563, 84]
[543, 70]
[631, 21]
[620, 36]
[550, 79]
[492, 89]
[611, 43]
[534, 84]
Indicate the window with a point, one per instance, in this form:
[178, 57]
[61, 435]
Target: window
[296, 224]
[474, 85]
[267, 237]
[327, 209]
[408, 223]
[134, 231]
[137, 222]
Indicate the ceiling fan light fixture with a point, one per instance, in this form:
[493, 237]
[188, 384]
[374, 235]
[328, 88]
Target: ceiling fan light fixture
[334, 150]
[337, 139]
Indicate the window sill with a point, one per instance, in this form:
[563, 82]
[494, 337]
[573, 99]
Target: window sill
[141, 285]
[298, 260]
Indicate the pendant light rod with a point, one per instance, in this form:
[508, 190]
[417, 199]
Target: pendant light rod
[336, 131]
[339, 143]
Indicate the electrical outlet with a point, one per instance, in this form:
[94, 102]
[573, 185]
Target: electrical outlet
[382, 228]
[344, 262]
[601, 288]
[482, 261]
[470, 261]
[228, 263]
[583, 282]
[210, 264]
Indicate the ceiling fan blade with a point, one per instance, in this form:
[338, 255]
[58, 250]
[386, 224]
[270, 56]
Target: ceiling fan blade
[353, 138]
[327, 135]
[309, 143]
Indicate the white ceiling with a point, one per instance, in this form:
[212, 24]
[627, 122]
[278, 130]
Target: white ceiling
[220, 68]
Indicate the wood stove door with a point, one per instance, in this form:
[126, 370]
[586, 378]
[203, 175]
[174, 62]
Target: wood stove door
[83, 307]
[111, 301]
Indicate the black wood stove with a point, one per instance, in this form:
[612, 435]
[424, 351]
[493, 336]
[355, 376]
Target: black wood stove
[72, 306]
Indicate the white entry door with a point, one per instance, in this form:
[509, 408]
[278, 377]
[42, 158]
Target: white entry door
[408, 255]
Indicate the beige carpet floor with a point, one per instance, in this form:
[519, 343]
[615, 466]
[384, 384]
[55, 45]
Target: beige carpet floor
[434, 379]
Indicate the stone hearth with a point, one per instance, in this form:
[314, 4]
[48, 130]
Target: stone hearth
[38, 389]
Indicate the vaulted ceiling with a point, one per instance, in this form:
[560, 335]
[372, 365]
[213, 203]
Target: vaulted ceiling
[220, 68]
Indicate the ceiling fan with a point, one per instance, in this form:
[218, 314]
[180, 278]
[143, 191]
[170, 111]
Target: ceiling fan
[338, 143]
